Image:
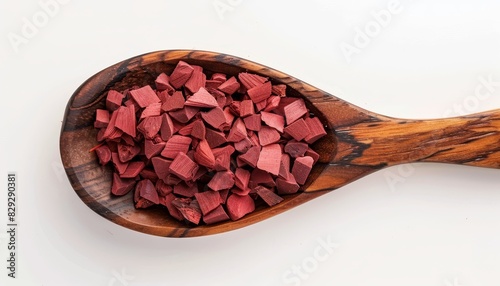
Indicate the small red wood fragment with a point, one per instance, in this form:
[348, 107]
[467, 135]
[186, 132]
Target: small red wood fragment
[241, 192]
[198, 131]
[178, 145]
[215, 216]
[175, 145]
[284, 166]
[296, 149]
[181, 74]
[208, 201]
[162, 83]
[238, 131]
[200, 173]
[222, 162]
[127, 152]
[130, 101]
[279, 90]
[152, 149]
[163, 96]
[120, 186]
[223, 195]
[259, 177]
[284, 101]
[239, 206]
[189, 209]
[249, 80]
[115, 135]
[185, 114]
[274, 120]
[185, 190]
[114, 100]
[316, 129]
[100, 136]
[223, 157]
[311, 153]
[203, 155]
[269, 159]
[301, 168]
[133, 169]
[125, 120]
[298, 129]
[221, 101]
[214, 117]
[101, 118]
[230, 86]
[215, 138]
[268, 135]
[228, 149]
[172, 210]
[103, 153]
[190, 153]
[144, 96]
[153, 109]
[146, 191]
[163, 189]
[294, 110]
[241, 178]
[210, 83]
[251, 157]
[243, 145]
[142, 203]
[149, 174]
[142, 188]
[253, 122]
[150, 126]
[173, 102]
[161, 167]
[183, 167]
[246, 108]
[196, 80]
[240, 163]
[272, 103]
[287, 186]
[220, 77]
[167, 127]
[172, 180]
[268, 196]
[177, 125]
[202, 99]
[120, 167]
[253, 138]
[217, 94]
[259, 106]
[234, 106]
[186, 129]
[260, 92]
[229, 116]
[221, 180]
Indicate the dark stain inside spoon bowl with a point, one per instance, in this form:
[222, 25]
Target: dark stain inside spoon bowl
[92, 182]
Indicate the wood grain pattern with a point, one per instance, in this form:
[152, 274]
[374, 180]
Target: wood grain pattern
[380, 141]
[358, 142]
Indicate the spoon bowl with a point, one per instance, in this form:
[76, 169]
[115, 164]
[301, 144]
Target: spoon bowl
[358, 141]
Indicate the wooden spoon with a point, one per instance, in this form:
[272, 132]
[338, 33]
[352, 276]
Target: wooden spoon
[358, 143]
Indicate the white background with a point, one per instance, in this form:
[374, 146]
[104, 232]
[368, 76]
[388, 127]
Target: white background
[421, 224]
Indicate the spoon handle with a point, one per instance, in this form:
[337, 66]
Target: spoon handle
[470, 140]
